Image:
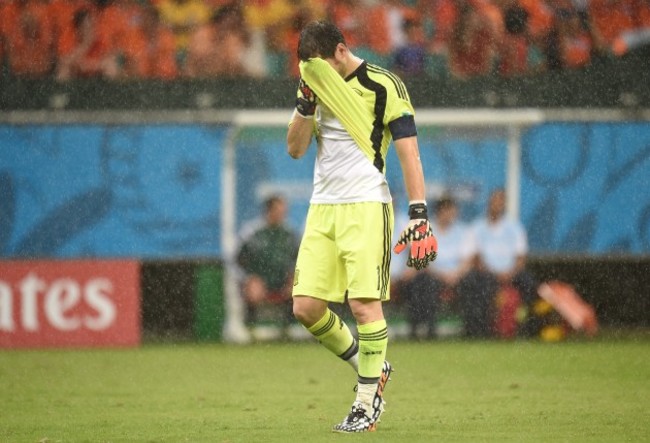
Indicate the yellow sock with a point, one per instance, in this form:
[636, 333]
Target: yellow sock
[335, 335]
[373, 341]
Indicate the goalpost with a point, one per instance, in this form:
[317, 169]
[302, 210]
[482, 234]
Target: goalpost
[512, 121]
[508, 125]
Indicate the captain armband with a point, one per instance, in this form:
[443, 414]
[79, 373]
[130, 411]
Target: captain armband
[403, 127]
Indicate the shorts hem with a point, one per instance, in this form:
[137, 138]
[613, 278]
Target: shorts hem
[356, 295]
[319, 295]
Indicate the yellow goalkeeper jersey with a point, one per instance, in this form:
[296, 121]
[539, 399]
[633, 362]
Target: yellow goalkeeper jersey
[352, 130]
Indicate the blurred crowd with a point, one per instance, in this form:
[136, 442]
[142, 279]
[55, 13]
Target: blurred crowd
[170, 39]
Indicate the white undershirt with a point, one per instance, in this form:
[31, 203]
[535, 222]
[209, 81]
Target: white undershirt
[343, 174]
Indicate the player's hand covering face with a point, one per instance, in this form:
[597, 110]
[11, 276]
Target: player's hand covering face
[305, 100]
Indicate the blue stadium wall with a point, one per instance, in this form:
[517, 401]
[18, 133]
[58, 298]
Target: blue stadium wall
[153, 191]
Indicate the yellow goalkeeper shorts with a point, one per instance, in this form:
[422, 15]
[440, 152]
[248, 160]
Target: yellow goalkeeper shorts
[345, 251]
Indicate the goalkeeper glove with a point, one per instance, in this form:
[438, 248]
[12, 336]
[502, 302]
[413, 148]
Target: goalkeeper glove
[306, 100]
[424, 246]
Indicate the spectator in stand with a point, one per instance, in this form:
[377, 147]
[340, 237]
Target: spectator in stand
[473, 43]
[267, 257]
[501, 247]
[409, 60]
[183, 17]
[441, 16]
[374, 28]
[540, 19]
[351, 17]
[574, 41]
[215, 5]
[277, 23]
[642, 14]
[270, 18]
[441, 21]
[514, 46]
[610, 19]
[118, 24]
[150, 52]
[217, 48]
[2, 42]
[28, 35]
[85, 53]
[301, 17]
[347, 16]
[62, 14]
[270, 15]
[424, 292]
[640, 34]
[525, 43]
[385, 31]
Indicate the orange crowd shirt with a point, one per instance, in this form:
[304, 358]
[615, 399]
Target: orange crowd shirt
[29, 39]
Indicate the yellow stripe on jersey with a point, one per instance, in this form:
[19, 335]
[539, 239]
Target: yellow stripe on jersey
[370, 99]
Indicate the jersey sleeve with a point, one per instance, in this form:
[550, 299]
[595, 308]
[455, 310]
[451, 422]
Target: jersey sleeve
[336, 94]
[398, 103]
[399, 115]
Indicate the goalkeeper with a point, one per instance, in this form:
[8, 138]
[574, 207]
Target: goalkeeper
[353, 109]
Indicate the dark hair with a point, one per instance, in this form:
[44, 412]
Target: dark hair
[103, 3]
[445, 202]
[79, 18]
[516, 20]
[319, 39]
[272, 200]
[225, 12]
[409, 23]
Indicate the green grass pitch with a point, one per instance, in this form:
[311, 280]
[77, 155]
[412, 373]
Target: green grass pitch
[448, 391]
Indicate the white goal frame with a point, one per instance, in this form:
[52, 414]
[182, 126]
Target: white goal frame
[514, 121]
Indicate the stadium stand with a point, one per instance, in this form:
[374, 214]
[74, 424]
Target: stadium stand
[467, 38]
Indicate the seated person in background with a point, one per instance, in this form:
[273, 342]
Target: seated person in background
[268, 256]
[501, 247]
[424, 292]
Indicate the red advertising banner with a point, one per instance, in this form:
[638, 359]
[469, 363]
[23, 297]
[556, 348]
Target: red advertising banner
[76, 303]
